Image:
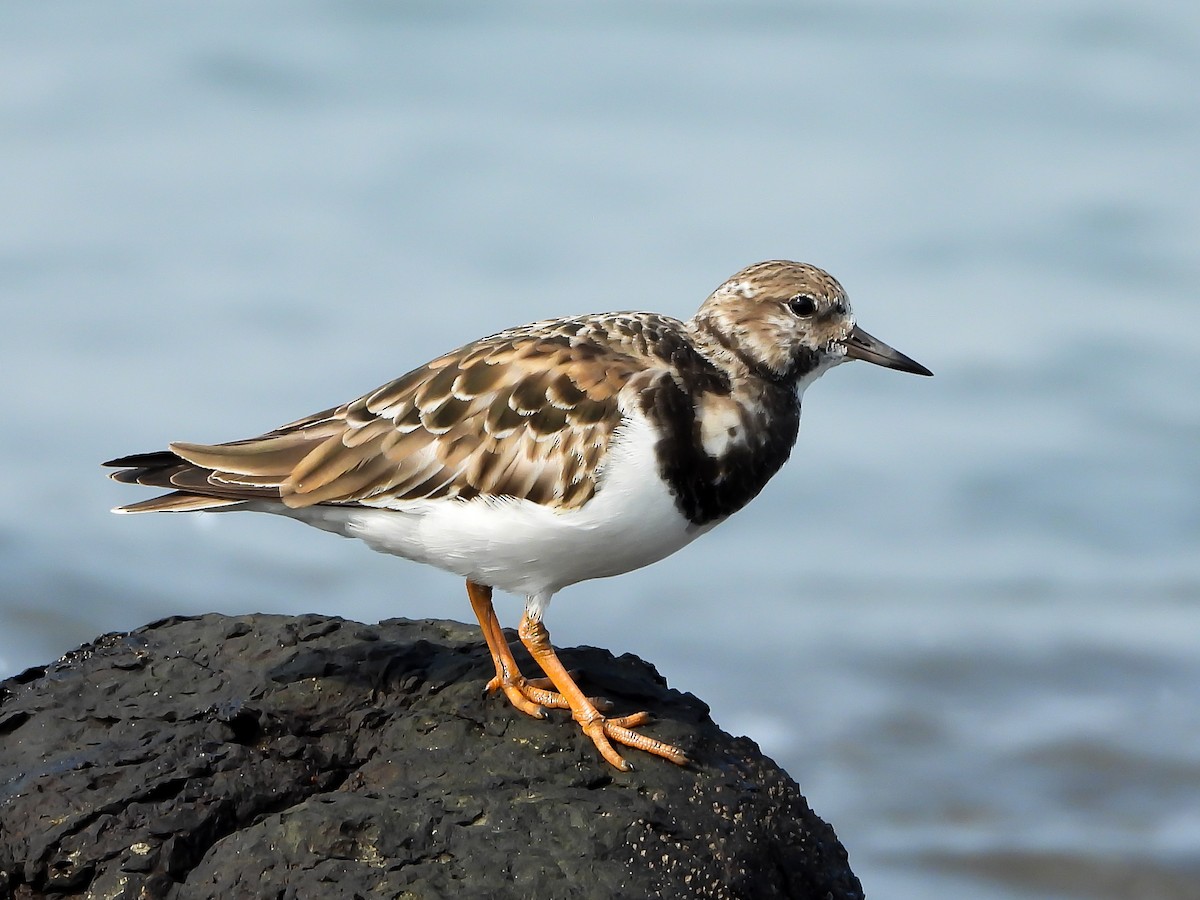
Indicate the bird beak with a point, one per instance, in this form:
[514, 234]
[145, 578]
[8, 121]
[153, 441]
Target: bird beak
[861, 345]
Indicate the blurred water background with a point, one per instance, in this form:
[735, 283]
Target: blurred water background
[966, 615]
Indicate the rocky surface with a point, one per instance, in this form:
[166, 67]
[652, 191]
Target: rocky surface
[266, 756]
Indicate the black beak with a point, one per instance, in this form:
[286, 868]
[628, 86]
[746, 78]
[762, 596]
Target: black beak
[861, 345]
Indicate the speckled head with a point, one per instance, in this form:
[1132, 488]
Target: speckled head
[791, 321]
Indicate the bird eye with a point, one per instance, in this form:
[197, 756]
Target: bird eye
[802, 305]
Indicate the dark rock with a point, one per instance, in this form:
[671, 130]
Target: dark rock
[264, 756]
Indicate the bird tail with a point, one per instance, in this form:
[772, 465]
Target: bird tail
[193, 489]
[223, 476]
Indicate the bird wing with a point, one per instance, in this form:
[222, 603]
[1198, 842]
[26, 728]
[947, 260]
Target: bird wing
[528, 413]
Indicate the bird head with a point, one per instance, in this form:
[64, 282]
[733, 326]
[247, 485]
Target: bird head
[791, 321]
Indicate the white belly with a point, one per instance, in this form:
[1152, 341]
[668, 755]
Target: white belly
[526, 548]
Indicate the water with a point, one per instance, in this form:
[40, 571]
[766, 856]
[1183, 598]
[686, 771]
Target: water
[964, 617]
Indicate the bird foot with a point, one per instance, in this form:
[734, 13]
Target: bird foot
[533, 696]
[604, 732]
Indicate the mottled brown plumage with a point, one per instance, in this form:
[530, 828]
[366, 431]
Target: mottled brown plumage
[527, 413]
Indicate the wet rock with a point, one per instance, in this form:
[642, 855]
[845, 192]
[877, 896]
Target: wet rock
[316, 757]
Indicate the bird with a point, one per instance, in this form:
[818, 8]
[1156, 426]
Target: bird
[549, 454]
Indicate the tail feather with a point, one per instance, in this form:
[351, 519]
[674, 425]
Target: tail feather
[142, 460]
[177, 501]
[192, 487]
[217, 476]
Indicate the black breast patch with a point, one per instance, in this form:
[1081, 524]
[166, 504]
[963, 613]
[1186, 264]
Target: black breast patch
[707, 488]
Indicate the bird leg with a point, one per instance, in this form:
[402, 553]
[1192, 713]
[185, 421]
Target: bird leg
[527, 695]
[603, 731]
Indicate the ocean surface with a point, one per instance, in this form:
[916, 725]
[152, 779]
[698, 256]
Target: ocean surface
[965, 617]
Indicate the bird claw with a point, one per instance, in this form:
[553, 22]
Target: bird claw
[535, 692]
[604, 732]
[633, 720]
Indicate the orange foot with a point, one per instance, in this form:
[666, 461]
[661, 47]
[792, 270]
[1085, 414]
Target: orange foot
[530, 695]
[533, 695]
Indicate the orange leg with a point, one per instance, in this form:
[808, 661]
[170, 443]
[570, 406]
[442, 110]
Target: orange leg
[602, 731]
[528, 696]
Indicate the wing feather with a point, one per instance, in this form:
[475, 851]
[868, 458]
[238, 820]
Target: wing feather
[528, 413]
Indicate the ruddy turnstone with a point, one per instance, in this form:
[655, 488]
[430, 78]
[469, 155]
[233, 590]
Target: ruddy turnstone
[549, 454]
